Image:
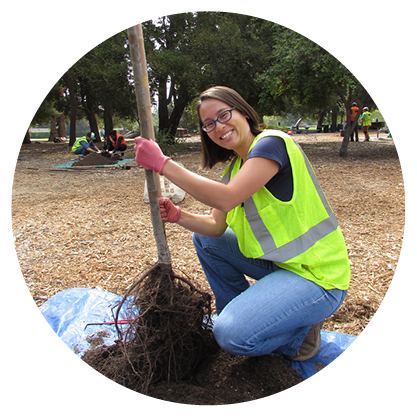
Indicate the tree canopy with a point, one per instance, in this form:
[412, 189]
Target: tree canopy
[305, 74]
[275, 69]
[187, 53]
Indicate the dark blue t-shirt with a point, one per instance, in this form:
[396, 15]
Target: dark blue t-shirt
[273, 147]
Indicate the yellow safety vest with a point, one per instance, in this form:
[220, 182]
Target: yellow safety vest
[77, 143]
[301, 235]
[366, 119]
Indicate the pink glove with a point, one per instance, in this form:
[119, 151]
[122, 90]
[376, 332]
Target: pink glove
[169, 212]
[149, 155]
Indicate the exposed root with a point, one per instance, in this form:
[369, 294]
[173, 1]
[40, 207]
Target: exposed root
[166, 340]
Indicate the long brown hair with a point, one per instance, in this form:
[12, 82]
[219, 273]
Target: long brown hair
[213, 153]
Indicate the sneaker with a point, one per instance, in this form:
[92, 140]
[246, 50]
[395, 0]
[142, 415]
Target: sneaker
[310, 346]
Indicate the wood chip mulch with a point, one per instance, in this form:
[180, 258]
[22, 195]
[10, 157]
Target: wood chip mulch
[91, 228]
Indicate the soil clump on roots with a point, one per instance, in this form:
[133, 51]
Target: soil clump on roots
[168, 350]
[167, 335]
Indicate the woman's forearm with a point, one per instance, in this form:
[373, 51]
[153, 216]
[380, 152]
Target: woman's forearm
[212, 225]
[206, 191]
[223, 197]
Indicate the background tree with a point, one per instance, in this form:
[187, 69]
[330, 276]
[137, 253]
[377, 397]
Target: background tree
[190, 52]
[307, 74]
[278, 71]
[108, 86]
[99, 84]
[47, 112]
[68, 78]
[234, 50]
[173, 68]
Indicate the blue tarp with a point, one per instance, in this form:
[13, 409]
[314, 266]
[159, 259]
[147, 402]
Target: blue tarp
[69, 312]
[119, 162]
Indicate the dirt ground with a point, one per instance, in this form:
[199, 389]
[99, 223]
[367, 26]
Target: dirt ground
[227, 379]
[90, 227]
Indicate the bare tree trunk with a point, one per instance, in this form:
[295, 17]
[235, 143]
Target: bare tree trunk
[350, 127]
[62, 129]
[62, 132]
[348, 103]
[137, 55]
[94, 126]
[108, 121]
[334, 119]
[343, 149]
[162, 108]
[92, 120]
[73, 108]
[320, 120]
[91, 116]
[54, 131]
[174, 120]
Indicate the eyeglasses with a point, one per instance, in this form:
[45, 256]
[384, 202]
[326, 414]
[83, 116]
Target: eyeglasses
[223, 118]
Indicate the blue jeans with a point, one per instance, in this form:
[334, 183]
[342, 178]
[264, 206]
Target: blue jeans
[81, 151]
[271, 316]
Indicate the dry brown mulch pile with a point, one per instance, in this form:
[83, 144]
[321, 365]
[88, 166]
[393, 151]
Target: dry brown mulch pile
[94, 158]
[78, 229]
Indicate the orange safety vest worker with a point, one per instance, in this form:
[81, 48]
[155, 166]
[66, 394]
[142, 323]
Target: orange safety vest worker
[353, 112]
[114, 141]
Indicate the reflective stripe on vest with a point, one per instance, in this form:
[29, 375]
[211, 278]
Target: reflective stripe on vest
[353, 112]
[77, 143]
[114, 141]
[367, 119]
[300, 244]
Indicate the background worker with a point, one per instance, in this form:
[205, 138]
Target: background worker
[85, 145]
[354, 110]
[275, 227]
[366, 122]
[116, 142]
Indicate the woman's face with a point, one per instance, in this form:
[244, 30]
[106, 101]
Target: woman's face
[234, 134]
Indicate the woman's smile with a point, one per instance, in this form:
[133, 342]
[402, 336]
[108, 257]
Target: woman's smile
[227, 135]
